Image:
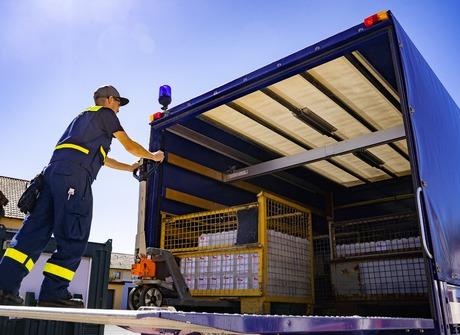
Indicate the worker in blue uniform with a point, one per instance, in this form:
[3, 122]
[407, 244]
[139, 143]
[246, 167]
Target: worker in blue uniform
[64, 207]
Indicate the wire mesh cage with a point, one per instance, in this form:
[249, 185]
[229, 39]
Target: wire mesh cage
[259, 249]
[322, 267]
[378, 257]
[383, 234]
[204, 230]
[289, 250]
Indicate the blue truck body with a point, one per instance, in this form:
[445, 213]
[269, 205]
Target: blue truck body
[431, 124]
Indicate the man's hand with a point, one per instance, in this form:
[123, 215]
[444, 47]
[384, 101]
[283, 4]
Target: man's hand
[157, 156]
[136, 165]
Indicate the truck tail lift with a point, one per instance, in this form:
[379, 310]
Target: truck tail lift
[157, 321]
[356, 127]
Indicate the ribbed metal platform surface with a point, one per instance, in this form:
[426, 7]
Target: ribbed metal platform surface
[156, 321]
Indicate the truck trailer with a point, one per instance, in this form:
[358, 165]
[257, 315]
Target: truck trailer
[345, 150]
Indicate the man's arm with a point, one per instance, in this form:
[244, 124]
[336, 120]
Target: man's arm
[136, 149]
[114, 164]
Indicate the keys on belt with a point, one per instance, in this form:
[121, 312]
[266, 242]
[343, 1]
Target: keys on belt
[70, 193]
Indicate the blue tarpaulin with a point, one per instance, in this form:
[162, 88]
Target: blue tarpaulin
[435, 122]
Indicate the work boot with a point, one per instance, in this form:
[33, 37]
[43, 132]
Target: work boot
[67, 302]
[10, 299]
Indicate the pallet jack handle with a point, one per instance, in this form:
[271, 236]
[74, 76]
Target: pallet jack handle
[142, 174]
[147, 168]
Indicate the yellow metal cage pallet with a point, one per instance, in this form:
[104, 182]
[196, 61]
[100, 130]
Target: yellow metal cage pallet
[260, 252]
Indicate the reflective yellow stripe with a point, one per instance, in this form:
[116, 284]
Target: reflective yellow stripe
[17, 255]
[59, 271]
[29, 264]
[72, 146]
[103, 152]
[93, 109]
[20, 257]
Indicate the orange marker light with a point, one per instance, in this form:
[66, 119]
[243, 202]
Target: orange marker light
[373, 19]
[156, 116]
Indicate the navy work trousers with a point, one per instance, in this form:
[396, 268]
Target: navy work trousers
[64, 209]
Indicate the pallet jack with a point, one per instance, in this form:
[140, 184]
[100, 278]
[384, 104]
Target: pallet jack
[155, 271]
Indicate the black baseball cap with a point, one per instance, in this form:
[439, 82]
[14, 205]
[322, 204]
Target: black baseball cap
[109, 91]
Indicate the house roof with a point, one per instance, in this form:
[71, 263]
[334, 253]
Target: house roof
[121, 261]
[13, 188]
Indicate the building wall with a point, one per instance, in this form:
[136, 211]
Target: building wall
[120, 274]
[117, 287]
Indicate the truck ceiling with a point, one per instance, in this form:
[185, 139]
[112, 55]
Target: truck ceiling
[337, 90]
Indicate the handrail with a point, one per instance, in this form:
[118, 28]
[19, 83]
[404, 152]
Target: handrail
[422, 224]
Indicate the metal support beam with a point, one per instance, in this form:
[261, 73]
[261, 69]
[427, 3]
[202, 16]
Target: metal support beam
[314, 155]
[320, 125]
[289, 137]
[239, 156]
[211, 144]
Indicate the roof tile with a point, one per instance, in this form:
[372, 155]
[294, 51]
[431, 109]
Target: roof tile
[13, 188]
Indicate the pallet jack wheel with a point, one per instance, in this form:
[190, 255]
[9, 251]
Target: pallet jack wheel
[134, 301]
[151, 296]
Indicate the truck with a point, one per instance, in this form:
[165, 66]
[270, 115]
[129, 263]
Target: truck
[346, 150]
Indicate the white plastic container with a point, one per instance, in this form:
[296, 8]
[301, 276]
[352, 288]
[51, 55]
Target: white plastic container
[190, 265]
[228, 281]
[379, 246]
[228, 237]
[242, 282]
[395, 244]
[203, 240]
[418, 242]
[412, 242]
[254, 281]
[202, 283]
[242, 263]
[405, 243]
[255, 263]
[190, 281]
[182, 266]
[217, 239]
[214, 282]
[202, 264]
[215, 266]
[227, 263]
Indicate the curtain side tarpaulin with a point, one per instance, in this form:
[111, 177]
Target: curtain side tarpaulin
[436, 130]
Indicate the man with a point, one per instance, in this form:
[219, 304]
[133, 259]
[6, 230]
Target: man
[64, 207]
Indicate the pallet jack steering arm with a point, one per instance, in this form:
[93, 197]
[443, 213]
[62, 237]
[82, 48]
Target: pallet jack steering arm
[142, 174]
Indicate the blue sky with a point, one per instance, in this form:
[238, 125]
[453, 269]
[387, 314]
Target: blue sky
[54, 53]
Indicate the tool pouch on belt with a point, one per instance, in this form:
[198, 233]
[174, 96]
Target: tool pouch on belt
[29, 198]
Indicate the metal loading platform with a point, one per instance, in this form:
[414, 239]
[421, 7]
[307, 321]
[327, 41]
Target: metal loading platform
[165, 321]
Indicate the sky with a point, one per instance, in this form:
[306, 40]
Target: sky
[55, 53]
